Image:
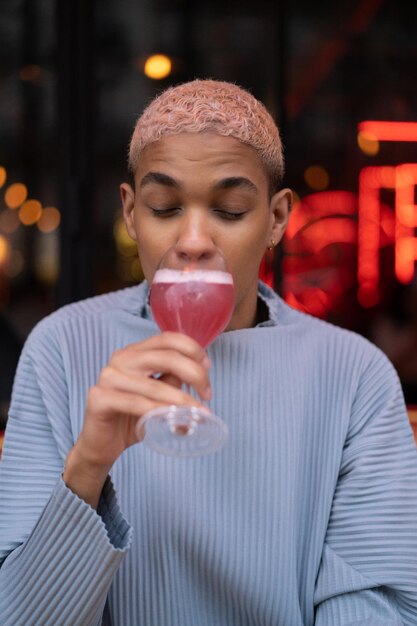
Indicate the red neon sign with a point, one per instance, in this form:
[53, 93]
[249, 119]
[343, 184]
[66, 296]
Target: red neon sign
[311, 281]
[406, 222]
[390, 131]
[403, 180]
[371, 181]
[321, 232]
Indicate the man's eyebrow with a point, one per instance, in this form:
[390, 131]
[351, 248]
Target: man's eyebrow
[236, 181]
[159, 179]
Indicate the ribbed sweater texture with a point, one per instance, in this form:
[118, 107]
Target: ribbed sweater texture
[306, 516]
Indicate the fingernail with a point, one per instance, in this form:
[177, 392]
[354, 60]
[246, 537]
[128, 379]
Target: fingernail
[206, 362]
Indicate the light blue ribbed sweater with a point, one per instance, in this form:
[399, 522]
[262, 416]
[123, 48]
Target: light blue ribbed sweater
[307, 515]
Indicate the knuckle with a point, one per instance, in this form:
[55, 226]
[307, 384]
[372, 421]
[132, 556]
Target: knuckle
[94, 396]
[117, 355]
[106, 376]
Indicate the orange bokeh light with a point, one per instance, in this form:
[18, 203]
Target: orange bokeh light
[158, 66]
[30, 212]
[4, 249]
[15, 195]
[368, 143]
[49, 220]
[317, 177]
[3, 176]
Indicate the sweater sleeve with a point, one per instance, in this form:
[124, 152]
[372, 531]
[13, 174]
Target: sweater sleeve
[58, 556]
[368, 572]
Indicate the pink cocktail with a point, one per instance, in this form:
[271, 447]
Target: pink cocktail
[198, 303]
[195, 298]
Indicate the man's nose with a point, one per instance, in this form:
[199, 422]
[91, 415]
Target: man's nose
[195, 241]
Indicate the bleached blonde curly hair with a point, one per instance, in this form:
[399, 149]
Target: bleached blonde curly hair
[215, 106]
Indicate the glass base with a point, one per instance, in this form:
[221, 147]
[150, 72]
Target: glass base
[182, 431]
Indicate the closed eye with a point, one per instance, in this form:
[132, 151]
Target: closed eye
[230, 215]
[165, 212]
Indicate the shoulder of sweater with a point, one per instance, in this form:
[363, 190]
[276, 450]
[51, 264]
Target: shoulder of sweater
[325, 333]
[127, 299]
[304, 323]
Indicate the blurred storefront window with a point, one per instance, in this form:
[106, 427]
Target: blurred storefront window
[322, 69]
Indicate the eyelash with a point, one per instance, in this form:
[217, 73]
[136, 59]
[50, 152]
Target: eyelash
[230, 215]
[226, 215]
[164, 212]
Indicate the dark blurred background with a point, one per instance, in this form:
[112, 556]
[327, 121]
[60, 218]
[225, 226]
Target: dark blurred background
[74, 76]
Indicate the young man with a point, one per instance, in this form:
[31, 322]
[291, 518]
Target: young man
[307, 515]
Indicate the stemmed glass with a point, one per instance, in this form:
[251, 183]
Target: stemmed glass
[195, 298]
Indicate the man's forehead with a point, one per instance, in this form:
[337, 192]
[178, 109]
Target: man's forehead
[224, 183]
[177, 155]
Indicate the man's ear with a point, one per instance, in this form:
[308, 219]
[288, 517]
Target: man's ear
[280, 205]
[128, 203]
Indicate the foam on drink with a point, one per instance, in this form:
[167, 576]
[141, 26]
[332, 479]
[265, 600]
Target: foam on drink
[182, 276]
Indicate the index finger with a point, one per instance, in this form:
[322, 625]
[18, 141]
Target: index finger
[174, 341]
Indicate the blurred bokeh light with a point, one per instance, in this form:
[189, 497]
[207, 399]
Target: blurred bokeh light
[30, 212]
[158, 66]
[3, 176]
[49, 219]
[15, 195]
[317, 177]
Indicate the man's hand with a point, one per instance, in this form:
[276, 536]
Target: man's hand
[126, 390]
